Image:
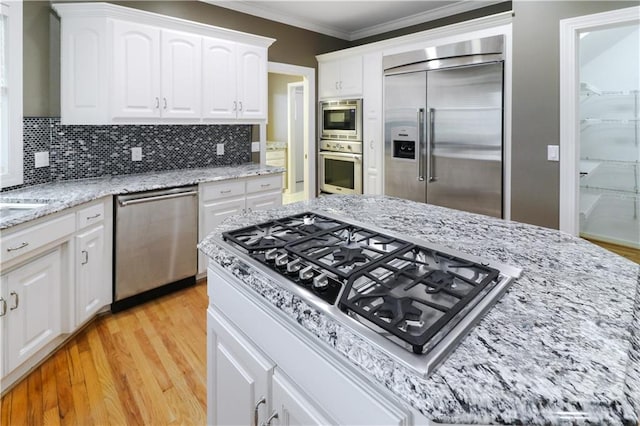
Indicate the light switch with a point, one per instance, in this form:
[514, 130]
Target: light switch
[220, 149]
[553, 152]
[41, 159]
[136, 154]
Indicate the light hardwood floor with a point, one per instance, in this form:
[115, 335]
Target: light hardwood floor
[146, 365]
[628, 252]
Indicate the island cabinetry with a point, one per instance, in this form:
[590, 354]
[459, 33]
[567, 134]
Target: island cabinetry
[306, 382]
[219, 200]
[340, 78]
[121, 65]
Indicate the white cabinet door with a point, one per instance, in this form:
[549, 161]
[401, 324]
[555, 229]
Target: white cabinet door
[92, 290]
[292, 407]
[238, 376]
[351, 76]
[372, 124]
[136, 71]
[181, 75]
[252, 82]
[213, 214]
[340, 78]
[219, 79]
[328, 79]
[33, 316]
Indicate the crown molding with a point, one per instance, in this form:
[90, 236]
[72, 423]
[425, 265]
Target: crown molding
[261, 11]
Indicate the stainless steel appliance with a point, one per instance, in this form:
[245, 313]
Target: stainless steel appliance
[340, 167]
[444, 125]
[341, 119]
[155, 252]
[412, 299]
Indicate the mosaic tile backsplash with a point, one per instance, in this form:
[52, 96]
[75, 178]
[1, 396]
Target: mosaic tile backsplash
[78, 152]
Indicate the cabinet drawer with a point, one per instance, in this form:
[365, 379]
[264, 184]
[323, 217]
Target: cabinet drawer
[224, 189]
[90, 215]
[25, 241]
[268, 183]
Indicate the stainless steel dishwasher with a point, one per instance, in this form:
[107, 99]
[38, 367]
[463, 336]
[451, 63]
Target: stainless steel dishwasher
[155, 239]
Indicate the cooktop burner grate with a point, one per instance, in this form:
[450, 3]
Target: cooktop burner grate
[416, 294]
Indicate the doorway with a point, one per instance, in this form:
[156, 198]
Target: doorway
[599, 124]
[290, 132]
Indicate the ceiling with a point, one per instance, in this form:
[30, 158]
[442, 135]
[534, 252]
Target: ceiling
[352, 20]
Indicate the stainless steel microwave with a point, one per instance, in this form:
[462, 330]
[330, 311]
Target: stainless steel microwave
[341, 119]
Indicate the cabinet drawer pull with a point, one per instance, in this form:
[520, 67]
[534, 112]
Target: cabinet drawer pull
[97, 215]
[16, 300]
[225, 192]
[21, 246]
[157, 102]
[265, 185]
[273, 415]
[262, 400]
[235, 105]
[4, 307]
[86, 257]
[165, 102]
[240, 109]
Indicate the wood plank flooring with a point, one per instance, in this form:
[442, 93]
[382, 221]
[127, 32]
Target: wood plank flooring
[146, 366]
[628, 252]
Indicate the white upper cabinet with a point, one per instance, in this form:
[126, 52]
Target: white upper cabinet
[340, 78]
[136, 70]
[121, 65]
[234, 80]
[181, 75]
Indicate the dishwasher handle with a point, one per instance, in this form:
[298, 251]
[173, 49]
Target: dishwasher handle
[156, 198]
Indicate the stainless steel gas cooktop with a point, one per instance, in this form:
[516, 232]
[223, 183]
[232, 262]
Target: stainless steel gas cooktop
[412, 299]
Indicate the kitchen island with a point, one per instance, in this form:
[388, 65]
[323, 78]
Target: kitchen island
[561, 346]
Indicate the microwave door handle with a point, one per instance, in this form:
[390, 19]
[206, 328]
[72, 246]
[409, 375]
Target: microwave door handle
[431, 144]
[421, 144]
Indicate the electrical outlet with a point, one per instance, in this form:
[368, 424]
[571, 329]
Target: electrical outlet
[136, 154]
[553, 152]
[255, 146]
[41, 159]
[220, 149]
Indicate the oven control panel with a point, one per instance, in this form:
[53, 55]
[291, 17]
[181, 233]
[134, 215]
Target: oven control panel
[340, 146]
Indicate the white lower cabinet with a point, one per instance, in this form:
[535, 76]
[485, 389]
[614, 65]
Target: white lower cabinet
[30, 308]
[219, 200]
[262, 369]
[92, 293]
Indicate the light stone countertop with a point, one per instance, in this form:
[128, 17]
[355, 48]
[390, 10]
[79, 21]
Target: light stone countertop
[562, 346]
[65, 194]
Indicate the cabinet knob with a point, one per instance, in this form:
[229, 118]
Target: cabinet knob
[262, 400]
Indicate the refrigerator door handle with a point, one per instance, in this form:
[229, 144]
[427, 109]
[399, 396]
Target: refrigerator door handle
[430, 147]
[420, 144]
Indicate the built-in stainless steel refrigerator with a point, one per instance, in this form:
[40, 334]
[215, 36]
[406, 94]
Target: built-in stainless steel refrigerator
[444, 125]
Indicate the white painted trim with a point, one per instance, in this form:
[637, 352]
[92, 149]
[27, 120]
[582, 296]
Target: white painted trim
[15, 173]
[262, 10]
[569, 105]
[292, 150]
[461, 28]
[107, 10]
[309, 83]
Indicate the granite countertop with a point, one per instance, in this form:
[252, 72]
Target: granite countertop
[562, 346]
[65, 194]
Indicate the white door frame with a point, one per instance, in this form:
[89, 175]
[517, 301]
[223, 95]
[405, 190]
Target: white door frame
[292, 151]
[309, 85]
[569, 106]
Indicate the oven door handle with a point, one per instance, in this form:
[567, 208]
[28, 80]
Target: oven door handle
[355, 157]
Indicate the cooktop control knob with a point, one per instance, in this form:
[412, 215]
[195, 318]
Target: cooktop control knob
[320, 282]
[307, 273]
[271, 254]
[294, 266]
[282, 259]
